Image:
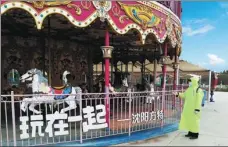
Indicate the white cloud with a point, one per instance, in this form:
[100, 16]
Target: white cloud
[195, 21]
[192, 32]
[214, 59]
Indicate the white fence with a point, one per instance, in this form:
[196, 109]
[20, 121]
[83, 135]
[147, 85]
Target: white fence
[129, 112]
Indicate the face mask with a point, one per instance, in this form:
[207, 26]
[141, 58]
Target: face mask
[190, 84]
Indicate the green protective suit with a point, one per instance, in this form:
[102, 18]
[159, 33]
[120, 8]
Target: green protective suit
[190, 121]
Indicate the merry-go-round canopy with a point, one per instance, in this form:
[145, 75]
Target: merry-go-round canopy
[137, 28]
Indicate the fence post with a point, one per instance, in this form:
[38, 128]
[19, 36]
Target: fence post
[13, 119]
[129, 113]
[80, 94]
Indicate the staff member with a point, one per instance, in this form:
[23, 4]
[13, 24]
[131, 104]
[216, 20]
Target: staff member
[190, 117]
[214, 83]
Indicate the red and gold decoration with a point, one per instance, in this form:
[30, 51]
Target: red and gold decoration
[145, 17]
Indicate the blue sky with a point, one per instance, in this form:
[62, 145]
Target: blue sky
[205, 34]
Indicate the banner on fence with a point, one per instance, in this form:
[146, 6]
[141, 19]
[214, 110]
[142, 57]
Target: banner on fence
[147, 116]
[93, 122]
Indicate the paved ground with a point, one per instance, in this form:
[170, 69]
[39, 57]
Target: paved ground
[214, 128]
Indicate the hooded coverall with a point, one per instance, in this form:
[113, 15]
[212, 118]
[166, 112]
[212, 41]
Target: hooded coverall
[190, 117]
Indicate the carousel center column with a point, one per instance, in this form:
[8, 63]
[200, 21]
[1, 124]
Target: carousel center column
[107, 54]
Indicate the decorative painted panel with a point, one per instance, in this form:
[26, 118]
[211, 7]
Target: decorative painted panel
[145, 17]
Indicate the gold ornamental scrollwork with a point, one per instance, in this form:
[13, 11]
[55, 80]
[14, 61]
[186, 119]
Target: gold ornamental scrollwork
[122, 18]
[78, 10]
[168, 25]
[116, 12]
[161, 27]
[86, 4]
[141, 14]
[41, 4]
[178, 31]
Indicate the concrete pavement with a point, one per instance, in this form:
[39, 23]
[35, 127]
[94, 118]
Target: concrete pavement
[213, 131]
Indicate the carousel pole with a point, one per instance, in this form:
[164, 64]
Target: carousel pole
[107, 54]
[49, 52]
[175, 67]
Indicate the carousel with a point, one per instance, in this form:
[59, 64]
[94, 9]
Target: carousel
[55, 39]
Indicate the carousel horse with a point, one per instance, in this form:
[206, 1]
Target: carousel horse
[152, 94]
[40, 86]
[66, 82]
[125, 88]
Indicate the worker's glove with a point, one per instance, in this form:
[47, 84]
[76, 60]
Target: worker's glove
[197, 111]
[176, 94]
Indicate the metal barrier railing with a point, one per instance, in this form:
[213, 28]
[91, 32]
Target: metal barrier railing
[40, 120]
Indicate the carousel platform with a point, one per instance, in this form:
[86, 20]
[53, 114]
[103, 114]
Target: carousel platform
[124, 138]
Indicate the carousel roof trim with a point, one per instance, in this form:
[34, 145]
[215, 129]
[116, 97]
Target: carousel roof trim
[167, 9]
[20, 5]
[171, 30]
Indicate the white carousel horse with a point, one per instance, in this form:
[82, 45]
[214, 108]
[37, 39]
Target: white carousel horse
[125, 88]
[64, 78]
[152, 94]
[66, 82]
[40, 85]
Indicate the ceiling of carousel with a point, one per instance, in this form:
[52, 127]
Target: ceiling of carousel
[127, 47]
